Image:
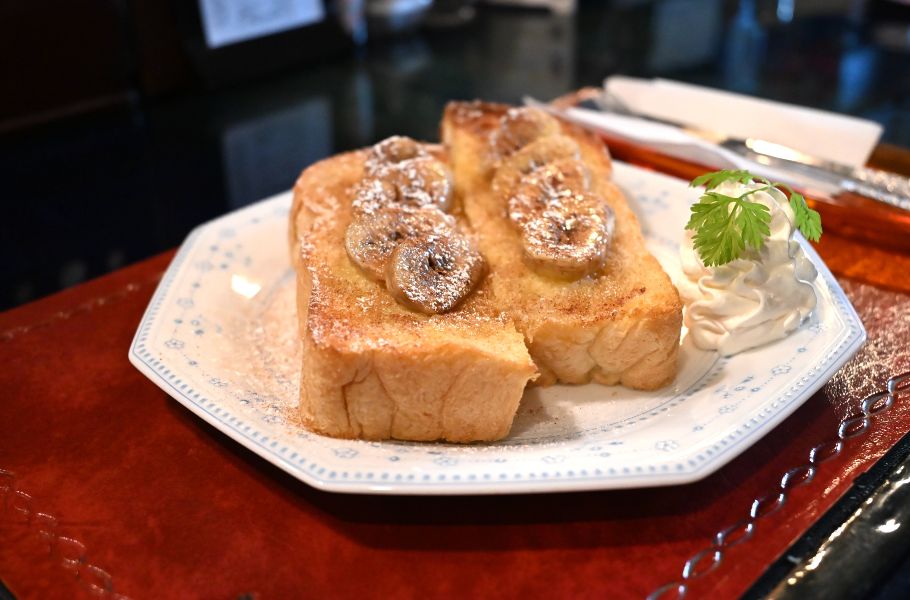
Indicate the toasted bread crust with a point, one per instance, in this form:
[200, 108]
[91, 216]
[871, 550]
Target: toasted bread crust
[622, 326]
[373, 369]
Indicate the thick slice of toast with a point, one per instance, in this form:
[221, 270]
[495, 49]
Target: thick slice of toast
[373, 369]
[622, 326]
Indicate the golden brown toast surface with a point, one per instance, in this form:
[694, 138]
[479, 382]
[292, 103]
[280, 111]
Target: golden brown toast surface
[621, 326]
[374, 369]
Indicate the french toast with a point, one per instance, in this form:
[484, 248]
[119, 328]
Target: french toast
[373, 368]
[619, 325]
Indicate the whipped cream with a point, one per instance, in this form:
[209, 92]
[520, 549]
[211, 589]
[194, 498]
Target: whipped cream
[760, 297]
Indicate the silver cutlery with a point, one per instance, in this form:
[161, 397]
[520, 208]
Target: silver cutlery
[886, 187]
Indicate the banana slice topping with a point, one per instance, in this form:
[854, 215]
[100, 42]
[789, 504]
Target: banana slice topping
[433, 274]
[519, 127]
[400, 233]
[392, 150]
[571, 238]
[547, 186]
[420, 181]
[372, 237]
[530, 158]
[373, 193]
[566, 230]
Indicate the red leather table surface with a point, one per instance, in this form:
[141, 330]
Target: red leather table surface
[168, 507]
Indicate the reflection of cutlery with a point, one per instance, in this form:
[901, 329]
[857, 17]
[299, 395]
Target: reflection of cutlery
[890, 188]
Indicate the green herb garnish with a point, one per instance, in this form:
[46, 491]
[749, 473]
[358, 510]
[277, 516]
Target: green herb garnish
[725, 225]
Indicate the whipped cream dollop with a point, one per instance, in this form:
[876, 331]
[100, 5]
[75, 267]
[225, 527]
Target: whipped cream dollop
[760, 297]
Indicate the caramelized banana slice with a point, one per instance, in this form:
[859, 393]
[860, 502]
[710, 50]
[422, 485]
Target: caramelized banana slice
[421, 181]
[533, 156]
[545, 186]
[571, 238]
[433, 274]
[519, 127]
[393, 150]
[371, 238]
[372, 194]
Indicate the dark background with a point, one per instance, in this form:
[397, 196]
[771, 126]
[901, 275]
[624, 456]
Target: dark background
[120, 131]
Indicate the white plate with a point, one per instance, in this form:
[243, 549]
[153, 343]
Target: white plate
[220, 336]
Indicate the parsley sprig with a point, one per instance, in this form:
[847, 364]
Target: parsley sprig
[725, 225]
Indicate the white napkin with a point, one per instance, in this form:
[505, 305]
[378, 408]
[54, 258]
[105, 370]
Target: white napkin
[840, 138]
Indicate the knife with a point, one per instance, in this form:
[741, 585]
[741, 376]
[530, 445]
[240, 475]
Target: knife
[886, 187]
[883, 186]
